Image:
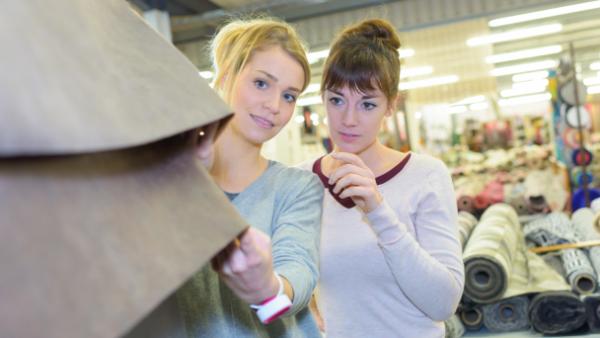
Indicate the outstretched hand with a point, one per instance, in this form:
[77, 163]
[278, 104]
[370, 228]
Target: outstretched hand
[246, 266]
[355, 180]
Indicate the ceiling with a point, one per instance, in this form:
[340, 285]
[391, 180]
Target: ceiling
[193, 20]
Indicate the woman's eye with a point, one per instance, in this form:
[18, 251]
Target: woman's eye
[336, 101]
[289, 98]
[260, 84]
[369, 105]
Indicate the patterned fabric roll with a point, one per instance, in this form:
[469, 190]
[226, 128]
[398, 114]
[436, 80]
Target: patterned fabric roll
[466, 203]
[557, 313]
[466, 223]
[497, 264]
[472, 318]
[592, 308]
[507, 315]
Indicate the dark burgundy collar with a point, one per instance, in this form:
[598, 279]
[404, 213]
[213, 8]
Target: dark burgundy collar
[347, 202]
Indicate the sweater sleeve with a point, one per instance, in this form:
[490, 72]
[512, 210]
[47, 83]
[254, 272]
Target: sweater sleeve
[428, 269]
[296, 238]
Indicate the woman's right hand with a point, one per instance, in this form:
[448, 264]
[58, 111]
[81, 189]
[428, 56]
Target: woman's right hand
[246, 266]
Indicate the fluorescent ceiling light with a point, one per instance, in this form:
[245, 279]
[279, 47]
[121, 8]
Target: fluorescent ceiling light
[521, 100]
[317, 55]
[434, 81]
[529, 84]
[547, 13]
[593, 90]
[590, 81]
[524, 54]
[523, 67]
[406, 53]
[411, 72]
[207, 74]
[530, 76]
[515, 34]
[469, 100]
[312, 88]
[478, 106]
[306, 101]
[595, 66]
[522, 91]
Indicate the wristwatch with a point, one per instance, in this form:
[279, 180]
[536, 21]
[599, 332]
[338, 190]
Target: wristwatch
[272, 308]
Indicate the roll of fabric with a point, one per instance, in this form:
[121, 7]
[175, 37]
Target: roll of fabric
[466, 203]
[592, 309]
[454, 327]
[583, 223]
[472, 318]
[507, 315]
[556, 228]
[557, 313]
[537, 204]
[497, 264]
[466, 223]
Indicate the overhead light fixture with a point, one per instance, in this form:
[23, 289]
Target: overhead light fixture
[307, 101]
[524, 54]
[312, 88]
[457, 109]
[529, 84]
[478, 106]
[521, 100]
[595, 66]
[434, 81]
[469, 100]
[207, 74]
[591, 81]
[515, 34]
[547, 13]
[530, 76]
[313, 57]
[523, 67]
[406, 53]
[593, 90]
[416, 71]
[522, 91]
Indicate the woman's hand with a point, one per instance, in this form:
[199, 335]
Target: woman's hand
[246, 266]
[355, 180]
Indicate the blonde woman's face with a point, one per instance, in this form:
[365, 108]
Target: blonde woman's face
[354, 117]
[264, 94]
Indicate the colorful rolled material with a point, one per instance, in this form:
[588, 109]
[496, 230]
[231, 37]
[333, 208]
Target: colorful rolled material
[466, 223]
[581, 156]
[466, 203]
[497, 264]
[472, 318]
[510, 314]
[557, 313]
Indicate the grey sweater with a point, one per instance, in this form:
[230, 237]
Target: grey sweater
[285, 203]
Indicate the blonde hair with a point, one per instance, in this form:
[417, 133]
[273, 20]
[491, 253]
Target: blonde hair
[363, 54]
[235, 43]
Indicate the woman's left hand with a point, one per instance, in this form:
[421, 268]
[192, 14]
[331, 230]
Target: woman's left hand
[355, 180]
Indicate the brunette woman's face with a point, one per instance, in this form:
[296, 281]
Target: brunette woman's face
[264, 94]
[355, 117]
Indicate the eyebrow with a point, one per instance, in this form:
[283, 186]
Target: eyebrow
[274, 78]
[365, 97]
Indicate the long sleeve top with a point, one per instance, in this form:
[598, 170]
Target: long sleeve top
[286, 204]
[397, 271]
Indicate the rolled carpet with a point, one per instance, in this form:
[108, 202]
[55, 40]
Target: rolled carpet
[506, 315]
[557, 312]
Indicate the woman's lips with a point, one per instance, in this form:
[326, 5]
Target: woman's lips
[348, 137]
[262, 122]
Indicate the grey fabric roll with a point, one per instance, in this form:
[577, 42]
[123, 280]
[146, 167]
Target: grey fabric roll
[454, 327]
[556, 228]
[583, 222]
[472, 318]
[466, 223]
[557, 313]
[507, 315]
[592, 308]
[497, 263]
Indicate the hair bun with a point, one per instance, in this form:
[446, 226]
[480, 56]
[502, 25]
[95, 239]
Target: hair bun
[380, 30]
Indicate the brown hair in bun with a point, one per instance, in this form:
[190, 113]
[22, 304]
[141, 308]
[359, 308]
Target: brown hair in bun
[364, 57]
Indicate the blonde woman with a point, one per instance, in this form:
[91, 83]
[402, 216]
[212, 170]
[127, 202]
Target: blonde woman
[262, 284]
